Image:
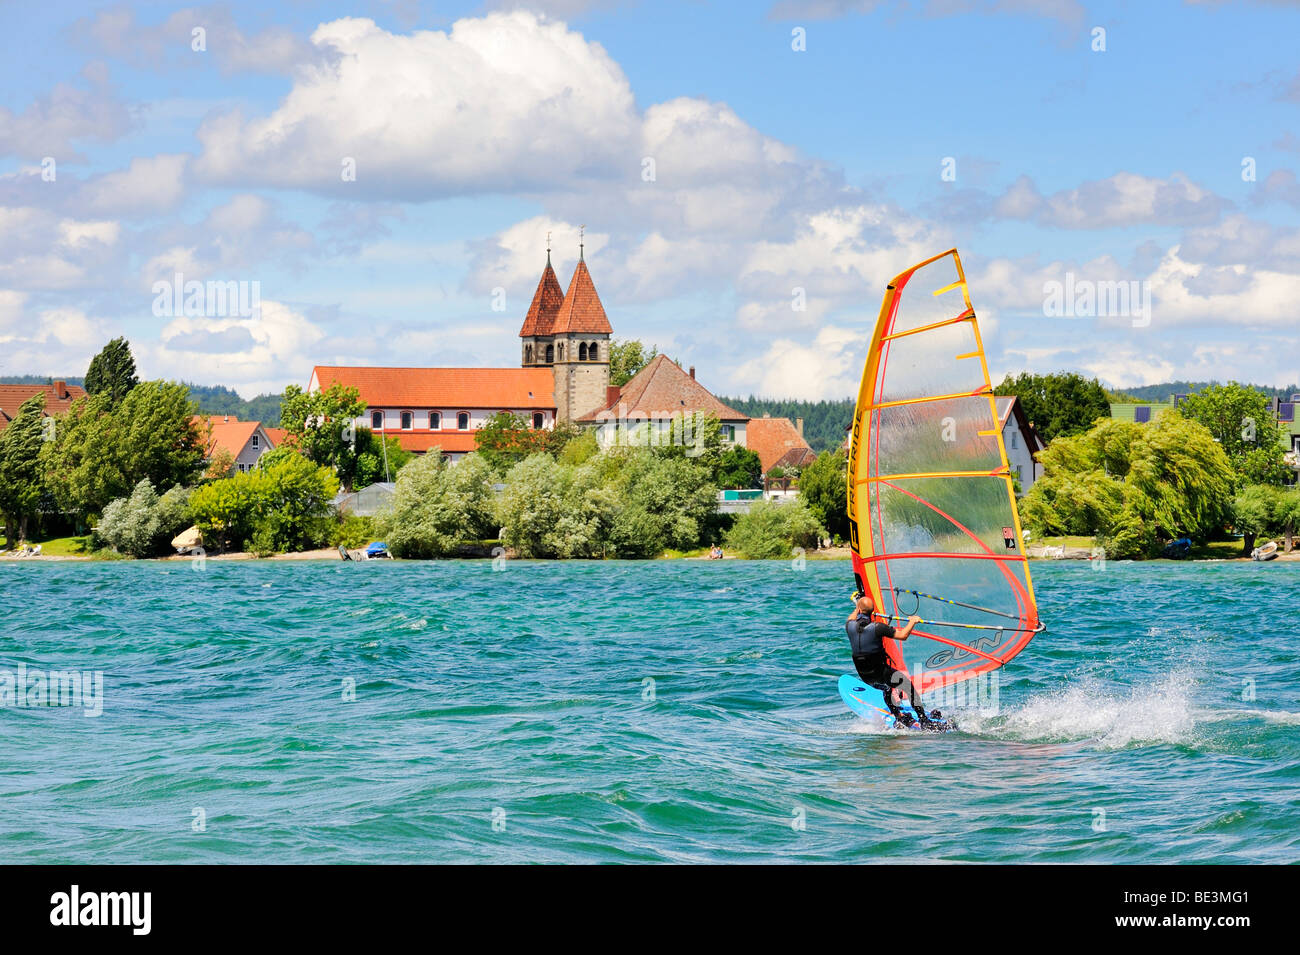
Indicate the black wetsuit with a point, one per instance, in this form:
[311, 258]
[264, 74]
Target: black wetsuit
[866, 637]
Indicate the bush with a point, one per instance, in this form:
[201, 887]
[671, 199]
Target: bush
[435, 506]
[283, 507]
[352, 532]
[142, 525]
[771, 530]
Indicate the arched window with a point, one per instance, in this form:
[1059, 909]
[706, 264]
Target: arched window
[435, 420]
[538, 419]
[462, 421]
[593, 351]
[376, 421]
[582, 352]
[561, 352]
[406, 420]
[550, 354]
[528, 354]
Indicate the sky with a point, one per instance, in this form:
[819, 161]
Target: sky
[380, 180]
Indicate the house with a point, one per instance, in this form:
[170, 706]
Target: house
[779, 444]
[650, 407]
[58, 399]
[1020, 440]
[426, 408]
[244, 441]
[1142, 412]
[563, 374]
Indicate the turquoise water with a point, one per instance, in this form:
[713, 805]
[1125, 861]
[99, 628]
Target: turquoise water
[505, 717]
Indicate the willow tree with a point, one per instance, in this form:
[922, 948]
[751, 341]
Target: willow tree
[1133, 486]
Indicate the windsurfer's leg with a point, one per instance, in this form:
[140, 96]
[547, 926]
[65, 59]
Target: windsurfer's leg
[913, 697]
[890, 684]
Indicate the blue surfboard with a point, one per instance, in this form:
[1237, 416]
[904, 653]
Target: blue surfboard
[869, 703]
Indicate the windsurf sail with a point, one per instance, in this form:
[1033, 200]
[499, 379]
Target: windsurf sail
[931, 502]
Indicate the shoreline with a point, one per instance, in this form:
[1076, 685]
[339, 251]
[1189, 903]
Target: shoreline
[829, 554]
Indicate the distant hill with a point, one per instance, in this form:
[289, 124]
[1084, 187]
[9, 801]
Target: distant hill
[825, 423]
[212, 399]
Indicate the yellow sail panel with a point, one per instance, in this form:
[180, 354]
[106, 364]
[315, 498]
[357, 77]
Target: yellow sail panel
[931, 504]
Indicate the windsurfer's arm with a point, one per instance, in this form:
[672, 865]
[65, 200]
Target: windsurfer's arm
[907, 630]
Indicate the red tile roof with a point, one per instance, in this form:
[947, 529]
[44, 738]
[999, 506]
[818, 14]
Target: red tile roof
[777, 442]
[581, 311]
[276, 436]
[56, 401]
[421, 442]
[459, 388]
[661, 389]
[225, 433]
[546, 304]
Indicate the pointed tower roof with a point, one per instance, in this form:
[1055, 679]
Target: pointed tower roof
[546, 304]
[582, 311]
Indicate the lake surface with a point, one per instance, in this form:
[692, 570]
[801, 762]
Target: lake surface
[507, 716]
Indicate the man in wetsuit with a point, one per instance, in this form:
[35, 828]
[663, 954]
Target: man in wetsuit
[867, 637]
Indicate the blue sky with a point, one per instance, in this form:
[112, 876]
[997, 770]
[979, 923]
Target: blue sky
[476, 129]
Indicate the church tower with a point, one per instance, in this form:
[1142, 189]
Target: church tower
[571, 334]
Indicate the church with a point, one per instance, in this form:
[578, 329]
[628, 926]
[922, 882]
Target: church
[563, 376]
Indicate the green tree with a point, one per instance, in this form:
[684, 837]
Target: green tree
[112, 371]
[506, 439]
[158, 437]
[281, 507]
[1243, 422]
[1255, 511]
[322, 425]
[1133, 485]
[823, 486]
[1058, 405]
[82, 466]
[372, 450]
[436, 506]
[21, 486]
[626, 358]
[770, 530]
[738, 467]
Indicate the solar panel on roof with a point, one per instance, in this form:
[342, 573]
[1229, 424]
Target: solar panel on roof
[1286, 411]
[1142, 413]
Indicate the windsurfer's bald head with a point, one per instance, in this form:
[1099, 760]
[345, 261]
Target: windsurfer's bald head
[866, 604]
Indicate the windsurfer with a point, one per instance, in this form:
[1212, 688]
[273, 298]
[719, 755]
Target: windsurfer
[867, 638]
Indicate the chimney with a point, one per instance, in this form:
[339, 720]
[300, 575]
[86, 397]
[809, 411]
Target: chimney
[227, 421]
[612, 393]
[60, 390]
[798, 426]
[692, 372]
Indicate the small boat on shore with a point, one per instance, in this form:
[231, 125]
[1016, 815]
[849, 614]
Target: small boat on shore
[1265, 552]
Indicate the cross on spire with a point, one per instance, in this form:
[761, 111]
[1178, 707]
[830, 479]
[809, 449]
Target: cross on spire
[581, 232]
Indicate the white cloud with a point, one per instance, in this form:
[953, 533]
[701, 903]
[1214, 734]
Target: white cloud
[505, 102]
[828, 367]
[148, 185]
[1123, 199]
[252, 355]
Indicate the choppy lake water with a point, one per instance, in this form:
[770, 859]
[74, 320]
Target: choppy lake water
[624, 712]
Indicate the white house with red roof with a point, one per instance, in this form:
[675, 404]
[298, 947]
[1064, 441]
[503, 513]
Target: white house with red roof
[244, 441]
